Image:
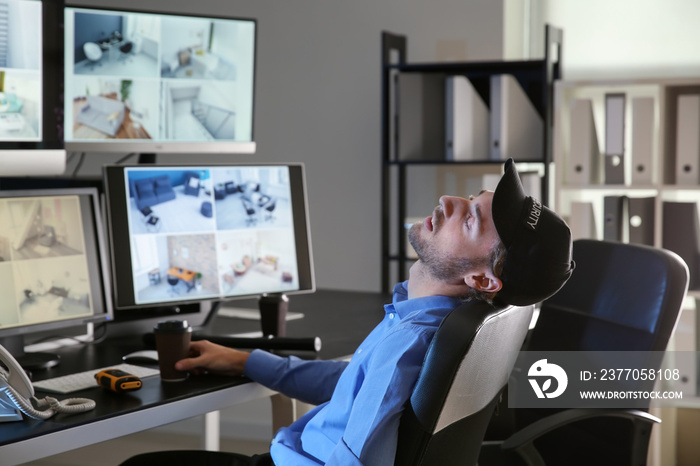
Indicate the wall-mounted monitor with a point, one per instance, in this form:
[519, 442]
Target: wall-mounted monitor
[184, 234]
[151, 82]
[31, 111]
[53, 269]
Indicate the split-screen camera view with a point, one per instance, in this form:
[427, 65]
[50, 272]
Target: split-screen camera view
[43, 263]
[158, 77]
[20, 70]
[210, 232]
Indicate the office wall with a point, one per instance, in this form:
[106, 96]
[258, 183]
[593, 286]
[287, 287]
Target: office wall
[624, 38]
[318, 102]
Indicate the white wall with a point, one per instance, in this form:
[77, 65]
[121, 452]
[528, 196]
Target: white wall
[626, 38]
[318, 102]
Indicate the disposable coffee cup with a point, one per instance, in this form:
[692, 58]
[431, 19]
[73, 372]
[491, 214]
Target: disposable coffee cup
[173, 344]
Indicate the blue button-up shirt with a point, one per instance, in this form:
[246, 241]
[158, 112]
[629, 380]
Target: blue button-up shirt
[360, 402]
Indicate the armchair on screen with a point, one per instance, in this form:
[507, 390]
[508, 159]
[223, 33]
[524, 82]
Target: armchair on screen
[464, 372]
[621, 297]
[192, 184]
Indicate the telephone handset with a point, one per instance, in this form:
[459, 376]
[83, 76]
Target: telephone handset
[16, 391]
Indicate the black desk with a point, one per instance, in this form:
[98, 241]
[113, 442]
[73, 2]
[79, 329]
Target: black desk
[341, 319]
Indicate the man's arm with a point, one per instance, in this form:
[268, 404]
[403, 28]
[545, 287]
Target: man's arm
[309, 381]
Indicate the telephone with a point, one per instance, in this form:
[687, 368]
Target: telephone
[16, 393]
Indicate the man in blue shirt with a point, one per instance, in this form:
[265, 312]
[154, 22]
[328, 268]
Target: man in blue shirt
[497, 246]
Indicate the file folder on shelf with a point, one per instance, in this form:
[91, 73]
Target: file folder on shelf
[531, 181]
[614, 214]
[583, 167]
[421, 117]
[516, 128]
[582, 220]
[642, 140]
[466, 121]
[684, 352]
[681, 234]
[688, 139]
[615, 139]
[641, 220]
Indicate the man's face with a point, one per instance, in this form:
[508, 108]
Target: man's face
[457, 237]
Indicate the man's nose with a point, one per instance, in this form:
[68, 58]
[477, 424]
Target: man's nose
[450, 204]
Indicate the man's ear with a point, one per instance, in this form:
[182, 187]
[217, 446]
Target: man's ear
[483, 281]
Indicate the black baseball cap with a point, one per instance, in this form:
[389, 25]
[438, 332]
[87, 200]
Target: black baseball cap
[537, 240]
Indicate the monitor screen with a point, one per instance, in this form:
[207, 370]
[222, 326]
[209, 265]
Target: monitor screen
[31, 112]
[154, 82]
[53, 272]
[193, 233]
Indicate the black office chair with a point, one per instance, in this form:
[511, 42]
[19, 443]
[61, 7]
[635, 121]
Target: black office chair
[192, 184]
[250, 211]
[125, 50]
[173, 282]
[269, 208]
[621, 297]
[465, 370]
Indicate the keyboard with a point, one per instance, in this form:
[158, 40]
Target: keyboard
[79, 381]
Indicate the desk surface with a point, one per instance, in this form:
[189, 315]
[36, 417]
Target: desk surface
[342, 319]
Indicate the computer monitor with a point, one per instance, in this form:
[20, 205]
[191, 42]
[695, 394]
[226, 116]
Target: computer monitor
[184, 234]
[31, 110]
[53, 272]
[150, 82]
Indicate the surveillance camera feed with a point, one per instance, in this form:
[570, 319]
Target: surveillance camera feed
[158, 77]
[20, 70]
[206, 232]
[44, 271]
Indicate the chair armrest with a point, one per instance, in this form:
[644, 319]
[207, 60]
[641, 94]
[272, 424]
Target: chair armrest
[522, 440]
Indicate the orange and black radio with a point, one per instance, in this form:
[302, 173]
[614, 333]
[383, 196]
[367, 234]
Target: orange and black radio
[117, 380]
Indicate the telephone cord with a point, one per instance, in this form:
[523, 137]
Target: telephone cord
[70, 405]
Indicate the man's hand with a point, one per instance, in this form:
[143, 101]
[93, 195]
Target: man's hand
[206, 356]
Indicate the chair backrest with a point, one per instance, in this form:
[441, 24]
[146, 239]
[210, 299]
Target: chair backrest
[621, 297]
[464, 372]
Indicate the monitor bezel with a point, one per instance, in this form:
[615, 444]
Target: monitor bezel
[120, 247]
[102, 302]
[141, 146]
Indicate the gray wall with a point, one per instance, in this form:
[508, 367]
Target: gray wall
[318, 102]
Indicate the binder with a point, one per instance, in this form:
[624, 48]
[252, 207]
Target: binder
[641, 220]
[421, 117]
[681, 234]
[517, 129]
[490, 181]
[684, 354]
[582, 221]
[642, 140]
[583, 166]
[688, 139]
[466, 121]
[531, 181]
[613, 216]
[615, 139]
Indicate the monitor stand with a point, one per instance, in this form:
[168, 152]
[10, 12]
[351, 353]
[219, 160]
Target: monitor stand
[273, 314]
[29, 361]
[147, 158]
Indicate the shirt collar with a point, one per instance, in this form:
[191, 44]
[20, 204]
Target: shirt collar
[404, 306]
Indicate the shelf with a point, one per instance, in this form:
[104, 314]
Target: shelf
[419, 121]
[458, 162]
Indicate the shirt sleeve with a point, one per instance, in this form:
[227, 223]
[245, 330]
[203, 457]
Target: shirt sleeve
[309, 381]
[371, 434]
